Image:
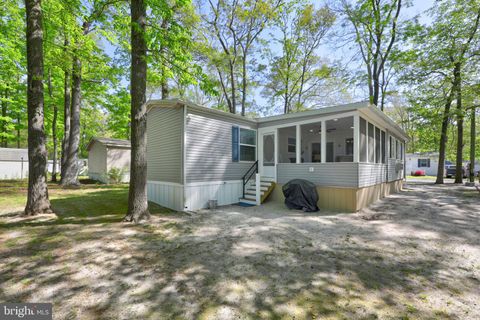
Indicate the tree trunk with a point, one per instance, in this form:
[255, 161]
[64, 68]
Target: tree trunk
[70, 177]
[473, 136]
[37, 197]
[4, 143]
[54, 139]
[66, 117]
[244, 81]
[165, 91]
[443, 139]
[232, 88]
[137, 195]
[458, 88]
[164, 84]
[18, 130]
[54, 127]
[302, 83]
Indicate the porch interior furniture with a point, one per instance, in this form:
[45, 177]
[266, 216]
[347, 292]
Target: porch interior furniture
[344, 159]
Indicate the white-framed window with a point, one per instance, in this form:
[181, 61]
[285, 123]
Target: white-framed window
[291, 145]
[248, 144]
[424, 163]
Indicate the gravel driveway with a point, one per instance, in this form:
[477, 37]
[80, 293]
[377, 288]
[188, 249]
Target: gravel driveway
[413, 255]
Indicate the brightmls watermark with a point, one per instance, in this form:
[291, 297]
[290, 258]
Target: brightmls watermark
[25, 311]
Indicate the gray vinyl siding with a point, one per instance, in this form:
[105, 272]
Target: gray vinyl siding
[209, 148]
[370, 174]
[336, 174]
[393, 173]
[164, 144]
[10, 154]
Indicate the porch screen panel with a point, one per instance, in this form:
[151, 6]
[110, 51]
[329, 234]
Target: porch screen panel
[269, 150]
[398, 149]
[371, 143]
[384, 141]
[363, 140]
[392, 147]
[377, 145]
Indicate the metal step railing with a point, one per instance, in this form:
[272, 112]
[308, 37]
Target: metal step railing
[248, 175]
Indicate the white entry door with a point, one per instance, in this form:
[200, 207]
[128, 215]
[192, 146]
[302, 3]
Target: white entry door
[267, 165]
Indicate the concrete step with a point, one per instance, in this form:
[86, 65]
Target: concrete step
[250, 197]
[254, 189]
[263, 188]
[267, 179]
[253, 193]
[262, 184]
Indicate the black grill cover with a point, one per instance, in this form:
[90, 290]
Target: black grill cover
[301, 194]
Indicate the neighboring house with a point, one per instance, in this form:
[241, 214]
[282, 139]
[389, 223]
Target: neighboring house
[425, 161]
[13, 163]
[104, 154]
[82, 167]
[354, 153]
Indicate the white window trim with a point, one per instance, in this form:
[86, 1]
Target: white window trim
[289, 144]
[245, 144]
[426, 163]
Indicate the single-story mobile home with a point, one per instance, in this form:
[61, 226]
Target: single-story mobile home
[105, 154]
[13, 163]
[353, 153]
[424, 161]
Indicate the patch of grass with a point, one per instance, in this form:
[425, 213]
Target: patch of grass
[470, 194]
[411, 308]
[423, 297]
[87, 204]
[422, 177]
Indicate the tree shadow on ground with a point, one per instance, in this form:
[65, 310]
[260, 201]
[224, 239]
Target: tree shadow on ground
[97, 204]
[232, 264]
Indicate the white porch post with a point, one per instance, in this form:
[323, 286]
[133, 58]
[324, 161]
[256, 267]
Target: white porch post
[367, 141]
[298, 144]
[257, 189]
[276, 146]
[356, 138]
[323, 143]
[275, 149]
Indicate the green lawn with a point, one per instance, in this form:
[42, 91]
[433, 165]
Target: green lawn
[37, 253]
[87, 204]
[422, 177]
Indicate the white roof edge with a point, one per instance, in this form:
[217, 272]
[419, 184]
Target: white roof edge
[398, 130]
[165, 103]
[329, 109]
[336, 108]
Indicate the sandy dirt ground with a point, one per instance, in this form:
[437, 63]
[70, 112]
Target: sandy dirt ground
[413, 255]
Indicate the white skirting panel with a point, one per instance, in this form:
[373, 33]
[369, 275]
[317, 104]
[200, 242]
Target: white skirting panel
[166, 194]
[225, 192]
[13, 170]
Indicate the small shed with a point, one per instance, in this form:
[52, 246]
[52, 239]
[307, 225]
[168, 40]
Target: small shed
[105, 154]
[13, 163]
